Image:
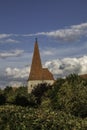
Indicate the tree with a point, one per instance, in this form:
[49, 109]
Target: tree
[71, 96]
[21, 100]
[2, 99]
[40, 90]
[10, 94]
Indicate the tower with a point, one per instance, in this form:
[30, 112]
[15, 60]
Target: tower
[37, 73]
[36, 66]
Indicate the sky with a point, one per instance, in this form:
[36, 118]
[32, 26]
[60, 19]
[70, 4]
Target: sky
[61, 29]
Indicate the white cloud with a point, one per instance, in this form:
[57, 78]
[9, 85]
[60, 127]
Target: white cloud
[80, 26]
[5, 36]
[9, 41]
[59, 67]
[69, 34]
[13, 53]
[34, 34]
[14, 77]
[47, 52]
[18, 72]
[66, 66]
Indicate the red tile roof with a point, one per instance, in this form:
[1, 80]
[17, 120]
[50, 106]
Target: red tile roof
[37, 72]
[84, 76]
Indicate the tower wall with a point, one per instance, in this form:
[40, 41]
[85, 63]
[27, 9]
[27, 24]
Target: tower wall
[33, 83]
[38, 74]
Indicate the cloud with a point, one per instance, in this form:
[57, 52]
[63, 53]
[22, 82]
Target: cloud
[13, 53]
[69, 34]
[47, 52]
[5, 36]
[14, 77]
[59, 67]
[18, 72]
[82, 26]
[15, 84]
[9, 41]
[66, 66]
[34, 34]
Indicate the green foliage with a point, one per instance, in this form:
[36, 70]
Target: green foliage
[10, 94]
[2, 99]
[62, 106]
[25, 100]
[23, 118]
[1, 91]
[21, 100]
[39, 91]
[71, 96]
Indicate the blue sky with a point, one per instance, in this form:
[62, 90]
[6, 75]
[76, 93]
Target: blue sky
[61, 29]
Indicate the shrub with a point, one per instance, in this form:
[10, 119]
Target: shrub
[40, 90]
[2, 99]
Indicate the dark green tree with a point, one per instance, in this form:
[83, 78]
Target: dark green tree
[40, 90]
[2, 99]
[71, 96]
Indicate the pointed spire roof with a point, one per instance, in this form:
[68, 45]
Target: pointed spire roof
[37, 72]
[36, 66]
[36, 61]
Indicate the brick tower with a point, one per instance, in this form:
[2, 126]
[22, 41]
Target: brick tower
[37, 73]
